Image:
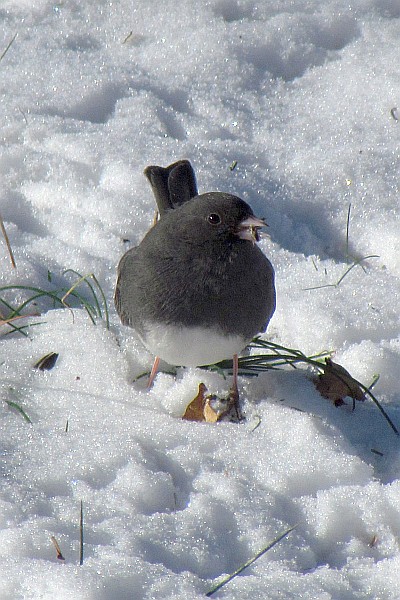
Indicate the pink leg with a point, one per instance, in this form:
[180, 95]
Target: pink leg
[153, 372]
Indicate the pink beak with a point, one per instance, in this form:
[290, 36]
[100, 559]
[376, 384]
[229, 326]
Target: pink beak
[248, 229]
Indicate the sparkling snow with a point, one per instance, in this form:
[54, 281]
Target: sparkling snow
[302, 94]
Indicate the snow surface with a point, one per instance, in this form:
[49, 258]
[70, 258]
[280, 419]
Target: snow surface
[300, 94]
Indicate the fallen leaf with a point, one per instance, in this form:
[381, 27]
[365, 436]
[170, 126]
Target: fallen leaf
[210, 414]
[47, 362]
[208, 409]
[335, 383]
[195, 410]
[215, 408]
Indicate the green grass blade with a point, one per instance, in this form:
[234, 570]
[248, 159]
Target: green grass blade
[348, 233]
[380, 407]
[355, 264]
[281, 356]
[38, 293]
[82, 279]
[85, 279]
[104, 299]
[11, 324]
[19, 409]
[8, 47]
[339, 281]
[58, 298]
[221, 584]
[7, 241]
[81, 540]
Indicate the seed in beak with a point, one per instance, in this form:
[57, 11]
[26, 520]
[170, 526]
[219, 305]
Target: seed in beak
[248, 229]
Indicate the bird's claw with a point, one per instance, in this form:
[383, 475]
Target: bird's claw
[234, 404]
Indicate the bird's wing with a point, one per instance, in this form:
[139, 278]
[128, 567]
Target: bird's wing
[122, 287]
[173, 185]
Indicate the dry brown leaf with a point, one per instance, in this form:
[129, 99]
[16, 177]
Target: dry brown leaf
[210, 414]
[195, 410]
[208, 409]
[335, 383]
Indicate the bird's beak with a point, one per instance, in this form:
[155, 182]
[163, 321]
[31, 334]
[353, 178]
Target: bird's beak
[248, 229]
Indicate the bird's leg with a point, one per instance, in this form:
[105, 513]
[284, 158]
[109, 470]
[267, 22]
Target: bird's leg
[234, 391]
[153, 372]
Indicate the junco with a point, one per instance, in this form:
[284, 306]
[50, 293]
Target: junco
[197, 289]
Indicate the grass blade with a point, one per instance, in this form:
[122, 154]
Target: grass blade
[85, 278]
[348, 233]
[8, 47]
[339, 281]
[221, 584]
[103, 297]
[81, 535]
[57, 547]
[380, 407]
[58, 298]
[280, 356]
[19, 409]
[7, 241]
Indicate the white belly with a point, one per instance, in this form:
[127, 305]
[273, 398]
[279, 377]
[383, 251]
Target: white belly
[191, 347]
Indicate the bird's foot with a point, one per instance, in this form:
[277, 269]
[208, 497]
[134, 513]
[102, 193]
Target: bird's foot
[234, 404]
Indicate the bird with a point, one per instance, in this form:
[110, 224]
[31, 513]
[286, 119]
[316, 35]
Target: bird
[197, 289]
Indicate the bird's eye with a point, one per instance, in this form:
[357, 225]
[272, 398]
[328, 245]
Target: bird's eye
[214, 219]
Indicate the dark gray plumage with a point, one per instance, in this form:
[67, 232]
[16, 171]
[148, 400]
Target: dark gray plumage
[197, 278]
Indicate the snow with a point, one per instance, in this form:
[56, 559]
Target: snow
[300, 94]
